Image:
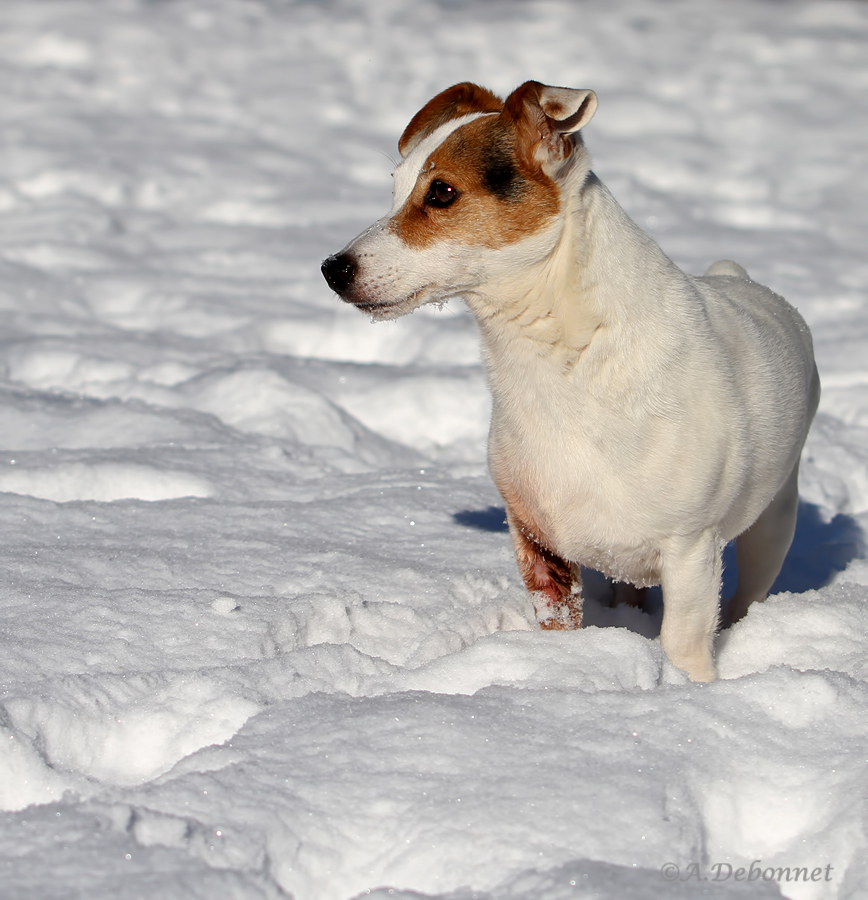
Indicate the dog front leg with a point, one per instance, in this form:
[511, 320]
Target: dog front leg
[692, 570]
[555, 583]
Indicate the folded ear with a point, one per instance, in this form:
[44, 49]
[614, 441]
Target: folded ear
[459, 100]
[543, 117]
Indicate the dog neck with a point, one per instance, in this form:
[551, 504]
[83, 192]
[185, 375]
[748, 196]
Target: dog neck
[564, 287]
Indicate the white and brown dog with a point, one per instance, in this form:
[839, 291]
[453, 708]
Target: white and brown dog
[642, 417]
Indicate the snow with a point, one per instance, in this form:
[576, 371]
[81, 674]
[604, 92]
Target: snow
[262, 631]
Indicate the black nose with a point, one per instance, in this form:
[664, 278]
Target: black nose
[339, 271]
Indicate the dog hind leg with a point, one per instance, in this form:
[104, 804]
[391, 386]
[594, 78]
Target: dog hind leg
[760, 551]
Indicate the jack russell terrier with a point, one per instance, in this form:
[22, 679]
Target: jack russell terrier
[642, 417]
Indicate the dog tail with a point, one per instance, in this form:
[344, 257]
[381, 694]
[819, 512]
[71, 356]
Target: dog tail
[727, 267]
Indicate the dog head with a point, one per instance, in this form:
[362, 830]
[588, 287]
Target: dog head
[478, 194]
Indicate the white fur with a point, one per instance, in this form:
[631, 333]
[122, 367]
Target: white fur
[643, 417]
[668, 434]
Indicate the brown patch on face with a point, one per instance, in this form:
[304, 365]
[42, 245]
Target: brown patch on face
[501, 198]
[459, 100]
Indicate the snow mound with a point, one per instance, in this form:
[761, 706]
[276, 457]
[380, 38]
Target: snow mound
[104, 482]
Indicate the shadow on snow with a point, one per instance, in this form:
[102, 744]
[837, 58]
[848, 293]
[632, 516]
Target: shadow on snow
[819, 551]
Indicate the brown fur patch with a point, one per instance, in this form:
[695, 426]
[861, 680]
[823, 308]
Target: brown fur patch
[502, 198]
[533, 127]
[544, 572]
[459, 100]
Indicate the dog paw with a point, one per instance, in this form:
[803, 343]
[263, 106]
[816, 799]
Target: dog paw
[699, 671]
[564, 615]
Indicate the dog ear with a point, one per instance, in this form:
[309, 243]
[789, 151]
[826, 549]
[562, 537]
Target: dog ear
[459, 100]
[543, 117]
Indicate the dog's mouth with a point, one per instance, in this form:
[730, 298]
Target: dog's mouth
[395, 310]
[380, 310]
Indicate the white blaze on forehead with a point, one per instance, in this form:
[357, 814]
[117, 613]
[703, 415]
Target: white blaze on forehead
[408, 172]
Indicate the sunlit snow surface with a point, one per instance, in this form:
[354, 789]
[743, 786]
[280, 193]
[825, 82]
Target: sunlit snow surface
[261, 632]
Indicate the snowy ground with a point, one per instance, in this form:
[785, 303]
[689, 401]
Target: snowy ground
[262, 633]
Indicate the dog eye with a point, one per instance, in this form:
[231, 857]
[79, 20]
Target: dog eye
[440, 195]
